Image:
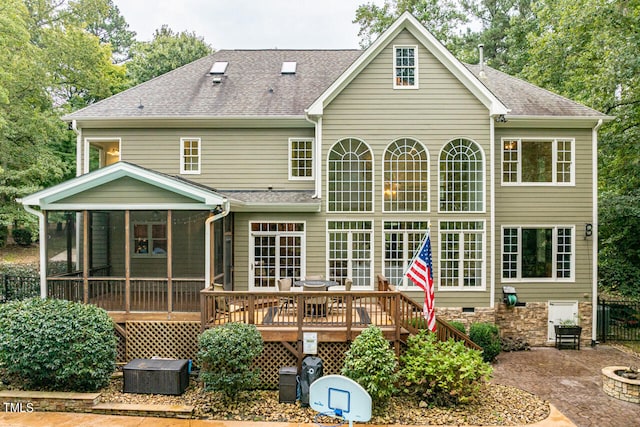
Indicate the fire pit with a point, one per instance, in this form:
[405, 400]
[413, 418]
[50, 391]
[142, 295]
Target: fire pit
[619, 382]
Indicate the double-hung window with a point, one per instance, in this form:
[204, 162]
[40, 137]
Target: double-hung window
[535, 253]
[150, 239]
[190, 155]
[300, 158]
[405, 67]
[462, 255]
[538, 161]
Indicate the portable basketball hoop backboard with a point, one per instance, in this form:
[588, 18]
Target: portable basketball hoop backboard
[339, 396]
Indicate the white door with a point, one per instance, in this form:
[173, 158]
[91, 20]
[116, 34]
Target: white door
[559, 311]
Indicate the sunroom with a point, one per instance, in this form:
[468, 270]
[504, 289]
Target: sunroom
[138, 243]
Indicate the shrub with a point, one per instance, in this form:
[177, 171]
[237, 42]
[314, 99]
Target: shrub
[459, 326]
[57, 345]
[22, 236]
[443, 373]
[486, 335]
[372, 363]
[225, 356]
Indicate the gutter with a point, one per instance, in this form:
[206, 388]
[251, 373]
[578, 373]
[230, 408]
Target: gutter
[208, 250]
[42, 249]
[594, 291]
[317, 162]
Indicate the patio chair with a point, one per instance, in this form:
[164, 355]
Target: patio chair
[284, 285]
[315, 306]
[224, 309]
[337, 301]
[314, 277]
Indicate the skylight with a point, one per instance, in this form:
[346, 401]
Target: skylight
[219, 67]
[288, 68]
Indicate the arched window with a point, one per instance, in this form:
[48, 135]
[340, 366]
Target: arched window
[406, 177]
[461, 177]
[350, 178]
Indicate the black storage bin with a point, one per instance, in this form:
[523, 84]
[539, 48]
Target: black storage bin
[288, 385]
[156, 376]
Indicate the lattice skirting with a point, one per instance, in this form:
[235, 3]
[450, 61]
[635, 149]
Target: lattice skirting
[177, 340]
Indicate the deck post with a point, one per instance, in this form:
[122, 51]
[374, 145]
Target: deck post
[127, 261]
[169, 265]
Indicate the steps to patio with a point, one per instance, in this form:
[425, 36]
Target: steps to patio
[41, 401]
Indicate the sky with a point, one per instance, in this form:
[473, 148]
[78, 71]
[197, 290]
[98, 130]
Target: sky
[250, 24]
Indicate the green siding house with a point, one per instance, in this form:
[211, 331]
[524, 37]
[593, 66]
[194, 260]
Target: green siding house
[249, 166]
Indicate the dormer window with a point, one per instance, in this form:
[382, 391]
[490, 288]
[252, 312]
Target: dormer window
[219, 67]
[405, 68]
[288, 68]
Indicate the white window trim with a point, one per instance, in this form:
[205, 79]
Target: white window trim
[182, 163]
[150, 239]
[407, 284]
[436, 267]
[87, 148]
[303, 245]
[350, 259]
[554, 141]
[313, 160]
[373, 178]
[555, 228]
[428, 162]
[484, 180]
[416, 67]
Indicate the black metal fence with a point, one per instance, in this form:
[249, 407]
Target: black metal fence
[18, 287]
[618, 320]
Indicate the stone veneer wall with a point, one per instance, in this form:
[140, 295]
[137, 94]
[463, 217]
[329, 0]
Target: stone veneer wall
[529, 321]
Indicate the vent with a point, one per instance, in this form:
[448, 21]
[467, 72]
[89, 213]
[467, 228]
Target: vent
[219, 67]
[288, 68]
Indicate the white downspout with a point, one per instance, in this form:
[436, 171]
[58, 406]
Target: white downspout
[80, 169]
[207, 242]
[317, 161]
[43, 248]
[492, 226]
[594, 291]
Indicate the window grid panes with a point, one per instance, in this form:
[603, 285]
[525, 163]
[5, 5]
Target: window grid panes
[190, 155]
[406, 177]
[350, 177]
[350, 251]
[461, 177]
[277, 252]
[563, 255]
[537, 161]
[564, 157]
[401, 241]
[301, 152]
[528, 253]
[405, 66]
[461, 254]
[150, 239]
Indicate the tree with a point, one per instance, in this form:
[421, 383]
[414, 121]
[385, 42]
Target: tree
[441, 17]
[587, 50]
[167, 51]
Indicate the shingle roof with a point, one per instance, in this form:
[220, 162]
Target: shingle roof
[254, 87]
[526, 99]
[251, 86]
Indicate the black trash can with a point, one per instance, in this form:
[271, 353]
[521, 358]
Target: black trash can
[311, 371]
[288, 384]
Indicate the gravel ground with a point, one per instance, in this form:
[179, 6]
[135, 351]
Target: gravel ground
[499, 405]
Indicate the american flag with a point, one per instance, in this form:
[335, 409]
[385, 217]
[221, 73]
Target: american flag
[421, 274]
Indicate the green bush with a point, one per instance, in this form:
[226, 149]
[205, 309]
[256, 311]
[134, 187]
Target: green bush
[459, 326]
[372, 363]
[443, 373]
[486, 335]
[57, 345]
[225, 356]
[22, 236]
